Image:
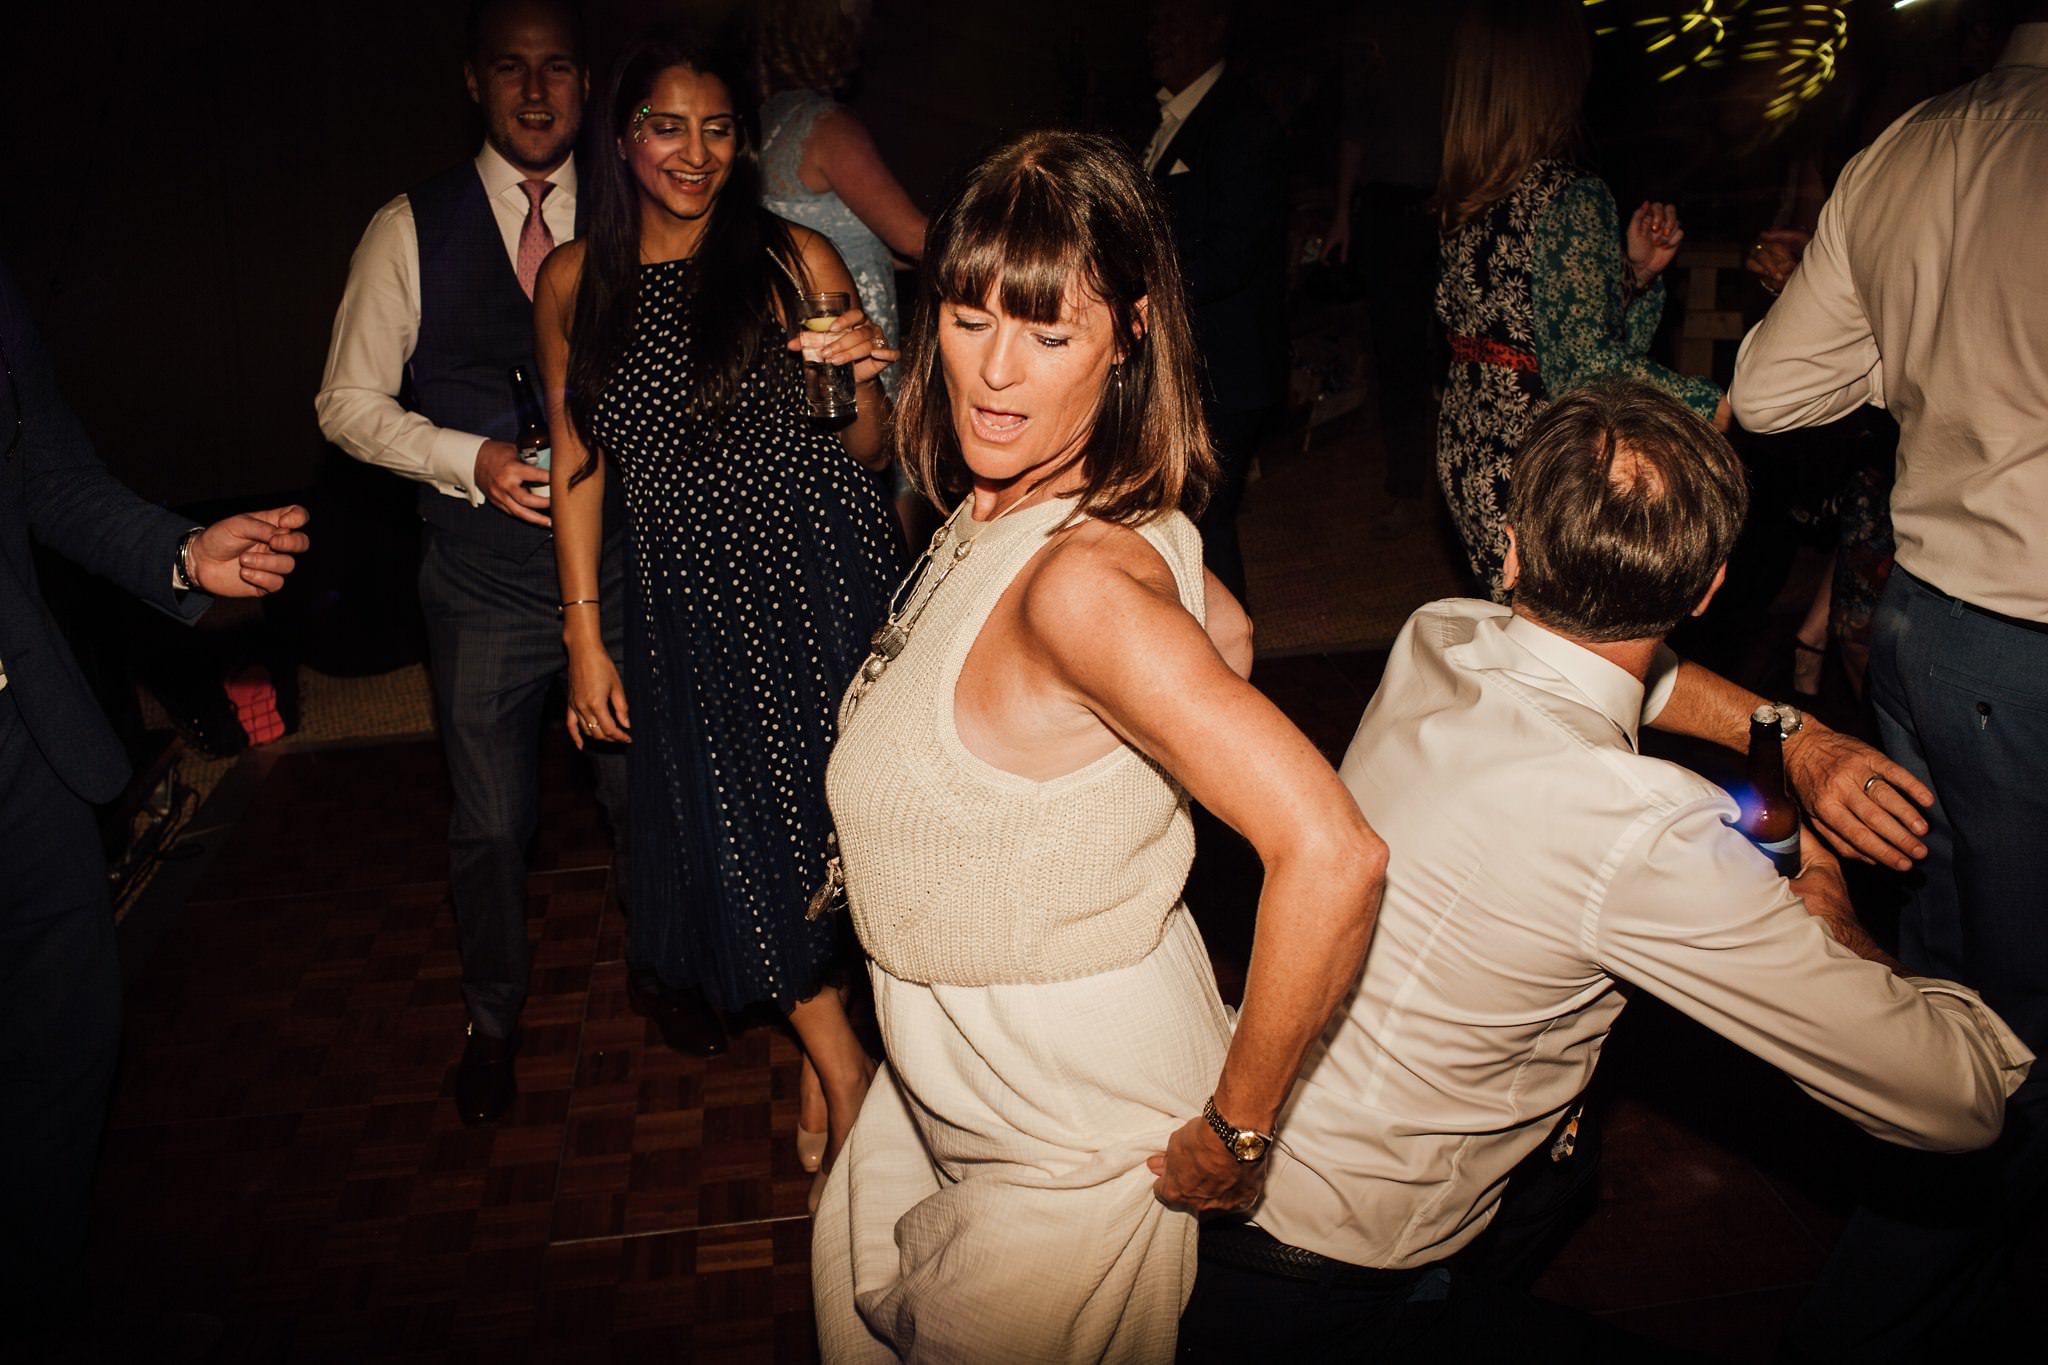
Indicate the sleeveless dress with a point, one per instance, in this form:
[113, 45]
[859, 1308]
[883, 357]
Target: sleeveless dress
[1048, 1012]
[786, 123]
[759, 560]
[1532, 293]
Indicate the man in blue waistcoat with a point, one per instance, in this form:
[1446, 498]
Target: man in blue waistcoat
[437, 311]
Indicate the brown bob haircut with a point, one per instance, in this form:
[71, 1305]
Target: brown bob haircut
[1625, 505]
[1046, 215]
[1512, 95]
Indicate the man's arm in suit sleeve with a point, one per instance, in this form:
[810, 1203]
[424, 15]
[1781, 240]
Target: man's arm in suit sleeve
[74, 506]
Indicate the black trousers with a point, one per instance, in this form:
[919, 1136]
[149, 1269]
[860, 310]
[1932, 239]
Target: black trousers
[60, 1030]
[494, 639]
[1394, 247]
[1473, 1306]
[1237, 436]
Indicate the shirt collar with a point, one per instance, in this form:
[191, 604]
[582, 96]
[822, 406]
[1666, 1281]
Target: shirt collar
[500, 175]
[2028, 46]
[1178, 107]
[1615, 692]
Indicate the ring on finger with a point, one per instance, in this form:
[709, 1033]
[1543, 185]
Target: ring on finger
[1867, 783]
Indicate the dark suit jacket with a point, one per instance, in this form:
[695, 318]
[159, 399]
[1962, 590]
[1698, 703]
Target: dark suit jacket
[1229, 209]
[54, 490]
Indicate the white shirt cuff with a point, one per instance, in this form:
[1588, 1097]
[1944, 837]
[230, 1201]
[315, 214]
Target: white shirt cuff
[453, 460]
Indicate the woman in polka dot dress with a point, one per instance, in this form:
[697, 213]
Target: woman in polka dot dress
[761, 552]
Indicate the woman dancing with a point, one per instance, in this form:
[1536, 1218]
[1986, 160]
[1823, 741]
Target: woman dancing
[1011, 794]
[759, 552]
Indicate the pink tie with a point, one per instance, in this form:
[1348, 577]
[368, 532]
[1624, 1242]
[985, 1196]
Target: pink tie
[535, 241]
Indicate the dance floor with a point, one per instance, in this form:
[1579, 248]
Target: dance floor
[284, 1155]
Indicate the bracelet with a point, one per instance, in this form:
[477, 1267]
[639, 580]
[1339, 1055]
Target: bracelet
[579, 602]
[183, 577]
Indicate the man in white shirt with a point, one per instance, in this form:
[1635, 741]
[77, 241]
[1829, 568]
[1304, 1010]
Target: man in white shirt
[1537, 859]
[437, 312]
[1925, 291]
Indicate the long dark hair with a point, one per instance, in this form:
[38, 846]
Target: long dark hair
[1044, 212]
[745, 282]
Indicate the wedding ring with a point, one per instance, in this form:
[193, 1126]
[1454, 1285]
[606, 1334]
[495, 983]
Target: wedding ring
[1866, 783]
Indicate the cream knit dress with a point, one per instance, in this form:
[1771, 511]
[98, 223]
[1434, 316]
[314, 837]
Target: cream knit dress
[1047, 1008]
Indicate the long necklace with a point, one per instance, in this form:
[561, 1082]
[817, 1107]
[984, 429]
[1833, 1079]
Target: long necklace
[906, 608]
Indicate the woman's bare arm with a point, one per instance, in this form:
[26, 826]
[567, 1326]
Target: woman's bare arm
[845, 157]
[597, 699]
[1106, 614]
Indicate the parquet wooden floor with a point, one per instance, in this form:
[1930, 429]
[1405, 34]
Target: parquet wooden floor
[283, 1153]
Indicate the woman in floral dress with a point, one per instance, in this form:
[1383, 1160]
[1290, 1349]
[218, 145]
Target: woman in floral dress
[1538, 290]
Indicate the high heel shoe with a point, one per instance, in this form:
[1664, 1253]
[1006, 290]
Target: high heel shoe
[810, 1148]
[817, 1194]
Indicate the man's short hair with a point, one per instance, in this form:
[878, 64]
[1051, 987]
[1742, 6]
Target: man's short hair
[1625, 505]
[482, 12]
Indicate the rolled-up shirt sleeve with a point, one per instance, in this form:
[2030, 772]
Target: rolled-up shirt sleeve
[1814, 356]
[375, 331]
[1695, 915]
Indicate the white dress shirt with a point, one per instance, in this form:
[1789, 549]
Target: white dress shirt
[378, 324]
[1925, 291]
[1174, 111]
[1536, 858]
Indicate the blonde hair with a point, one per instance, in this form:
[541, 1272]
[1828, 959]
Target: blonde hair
[1044, 214]
[1512, 95]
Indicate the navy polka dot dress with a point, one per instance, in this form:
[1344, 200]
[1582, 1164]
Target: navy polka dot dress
[760, 559]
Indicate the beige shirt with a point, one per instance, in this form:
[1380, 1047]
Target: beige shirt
[1925, 291]
[1536, 859]
[378, 324]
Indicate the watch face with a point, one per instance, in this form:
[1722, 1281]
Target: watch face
[1249, 1146]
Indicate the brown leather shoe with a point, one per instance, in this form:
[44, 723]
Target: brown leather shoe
[485, 1083]
[685, 1018]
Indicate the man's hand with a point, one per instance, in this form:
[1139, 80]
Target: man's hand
[1870, 821]
[504, 477]
[1196, 1173]
[248, 555]
[1776, 255]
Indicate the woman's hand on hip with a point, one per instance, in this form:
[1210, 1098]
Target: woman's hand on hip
[1197, 1173]
[597, 699]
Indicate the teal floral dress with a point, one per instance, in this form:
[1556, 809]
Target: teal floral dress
[1536, 296]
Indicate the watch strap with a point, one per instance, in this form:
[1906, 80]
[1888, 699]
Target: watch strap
[1237, 1140]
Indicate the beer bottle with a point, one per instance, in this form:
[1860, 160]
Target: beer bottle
[1772, 818]
[532, 439]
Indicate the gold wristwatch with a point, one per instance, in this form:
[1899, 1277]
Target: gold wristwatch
[1246, 1145]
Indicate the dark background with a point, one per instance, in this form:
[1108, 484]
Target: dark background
[186, 183]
